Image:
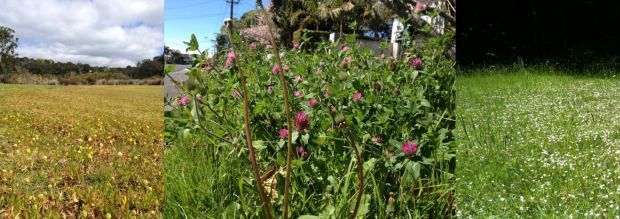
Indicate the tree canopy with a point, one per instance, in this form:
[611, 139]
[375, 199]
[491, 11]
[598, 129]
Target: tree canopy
[364, 18]
[576, 33]
[8, 43]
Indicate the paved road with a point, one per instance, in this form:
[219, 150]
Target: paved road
[179, 74]
[170, 90]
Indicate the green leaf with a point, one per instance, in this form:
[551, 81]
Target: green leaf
[295, 136]
[339, 118]
[196, 110]
[281, 143]
[414, 75]
[395, 143]
[364, 206]
[186, 133]
[428, 161]
[169, 69]
[414, 169]
[328, 211]
[192, 45]
[231, 210]
[425, 103]
[304, 138]
[332, 181]
[309, 217]
[261, 107]
[321, 140]
[369, 165]
[400, 165]
[280, 159]
[259, 145]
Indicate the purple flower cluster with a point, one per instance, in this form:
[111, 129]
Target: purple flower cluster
[184, 101]
[409, 148]
[301, 121]
[230, 58]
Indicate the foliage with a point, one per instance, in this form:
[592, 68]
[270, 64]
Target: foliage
[258, 31]
[112, 78]
[143, 69]
[395, 102]
[8, 43]
[357, 16]
[148, 68]
[80, 152]
[173, 56]
[363, 18]
[542, 33]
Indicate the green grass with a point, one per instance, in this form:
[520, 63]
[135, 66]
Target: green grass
[198, 186]
[80, 151]
[538, 144]
[203, 183]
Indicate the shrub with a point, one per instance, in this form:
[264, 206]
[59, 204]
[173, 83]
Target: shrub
[385, 104]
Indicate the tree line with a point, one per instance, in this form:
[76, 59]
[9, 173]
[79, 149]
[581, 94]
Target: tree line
[569, 34]
[144, 69]
[11, 63]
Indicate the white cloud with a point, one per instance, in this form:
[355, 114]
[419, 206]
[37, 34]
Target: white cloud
[97, 32]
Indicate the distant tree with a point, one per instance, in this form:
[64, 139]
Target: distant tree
[221, 43]
[8, 43]
[148, 68]
[172, 56]
[360, 17]
[159, 58]
[258, 30]
[407, 8]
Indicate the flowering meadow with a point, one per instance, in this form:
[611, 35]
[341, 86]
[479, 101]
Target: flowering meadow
[81, 151]
[538, 143]
[357, 119]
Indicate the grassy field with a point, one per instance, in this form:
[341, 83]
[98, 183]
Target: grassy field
[81, 151]
[538, 144]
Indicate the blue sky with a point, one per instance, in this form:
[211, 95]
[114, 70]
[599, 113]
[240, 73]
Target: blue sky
[201, 17]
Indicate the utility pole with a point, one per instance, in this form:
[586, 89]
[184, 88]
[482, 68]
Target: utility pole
[232, 3]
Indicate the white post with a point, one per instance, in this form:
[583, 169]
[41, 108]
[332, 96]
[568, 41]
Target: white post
[397, 28]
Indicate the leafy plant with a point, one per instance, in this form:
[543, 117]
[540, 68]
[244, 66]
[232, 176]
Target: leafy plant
[399, 114]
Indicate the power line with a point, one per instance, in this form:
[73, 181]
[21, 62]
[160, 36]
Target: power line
[190, 5]
[248, 5]
[196, 16]
[221, 18]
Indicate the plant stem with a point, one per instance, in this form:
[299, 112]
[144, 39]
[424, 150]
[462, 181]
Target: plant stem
[360, 168]
[287, 109]
[214, 135]
[248, 134]
[360, 174]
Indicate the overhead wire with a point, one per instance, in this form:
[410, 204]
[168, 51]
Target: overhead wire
[190, 5]
[196, 16]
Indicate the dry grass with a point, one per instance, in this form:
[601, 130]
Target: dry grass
[81, 151]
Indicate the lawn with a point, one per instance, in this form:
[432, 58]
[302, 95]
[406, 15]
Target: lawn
[93, 151]
[537, 144]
